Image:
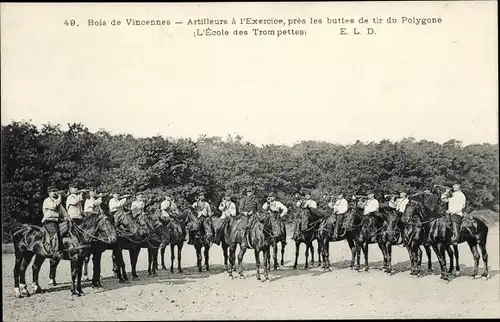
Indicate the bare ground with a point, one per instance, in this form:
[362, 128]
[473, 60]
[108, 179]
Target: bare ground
[291, 294]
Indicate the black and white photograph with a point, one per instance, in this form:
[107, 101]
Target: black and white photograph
[249, 161]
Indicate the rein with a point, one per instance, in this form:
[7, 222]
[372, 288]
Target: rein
[89, 234]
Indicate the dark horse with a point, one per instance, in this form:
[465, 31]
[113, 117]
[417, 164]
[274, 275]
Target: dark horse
[176, 227]
[473, 230]
[259, 235]
[309, 223]
[279, 236]
[158, 235]
[395, 235]
[203, 236]
[29, 242]
[349, 229]
[130, 236]
[221, 227]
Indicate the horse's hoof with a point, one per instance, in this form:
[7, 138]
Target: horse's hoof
[258, 278]
[73, 293]
[52, 282]
[429, 269]
[81, 293]
[457, 273]
[294, 267]
[163, 268]
[180, 271]
[485, 277]
[135, 278]
[208, 269]
[85, 278]
[17, 293]
[121, 281]
[472, 277]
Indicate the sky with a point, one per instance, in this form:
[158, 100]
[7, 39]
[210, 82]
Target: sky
[432, 82]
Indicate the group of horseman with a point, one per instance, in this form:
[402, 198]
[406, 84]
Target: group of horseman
[77, 207]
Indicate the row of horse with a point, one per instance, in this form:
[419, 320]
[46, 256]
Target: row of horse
[422, 224]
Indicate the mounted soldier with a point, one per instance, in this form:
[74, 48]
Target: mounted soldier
[168, 207]
[247, 207]
[304, 202]
[116, 203]
[74, 204]
[371, 205]
[93, 203]
[138, 205]
[400, 203]
[204, 212]
[53, 213]
[340, 207]
[275, 206]
[228, 209]
[456, 203]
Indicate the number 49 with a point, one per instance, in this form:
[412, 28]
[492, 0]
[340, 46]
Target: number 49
[71, 23]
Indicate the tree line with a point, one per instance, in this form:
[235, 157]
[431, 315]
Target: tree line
[34, 158]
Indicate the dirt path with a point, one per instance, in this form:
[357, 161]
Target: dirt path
[300, 294]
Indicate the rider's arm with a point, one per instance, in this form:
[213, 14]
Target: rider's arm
[284, 209]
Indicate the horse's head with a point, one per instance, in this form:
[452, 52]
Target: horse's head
[412, 211]
[393, 219]
[127, 221]
[99, 226]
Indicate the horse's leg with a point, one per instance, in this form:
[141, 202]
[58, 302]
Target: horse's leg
[96, 262]
[150, 261]
[319, 253]
[240, 260]
[134, 254]
[308, 245]
[79, 270]
[484, 254]
[352, 247]
[297, 247]
[257, 261]
[283, 247]
[27, 256]
[37, 264]
[85, 267]
[475, 254]
[179, 255]
[198, 256]
[388, 250]
[155, 260]
[206, 254]
[382, 245]
[74, 274]
[327, 252]
[449, 250]
[17, 269]
[172, 257]
[266, 265]
[457, 264]
[225, 254]
[119, 265]
[162, 254]
[232, 251]
[275, 255]
[412, 259]
[365, 254]
[429, 258]
[440, 251]
[312, 253]
[419, 258]
[358, 255]
[53, 263]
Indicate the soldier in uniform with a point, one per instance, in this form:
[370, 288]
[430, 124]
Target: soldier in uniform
[51, 217]
[456, 203]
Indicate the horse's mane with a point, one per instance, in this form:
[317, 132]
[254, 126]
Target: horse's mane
[90, 221]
